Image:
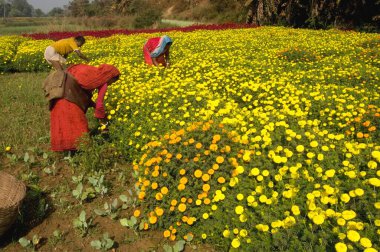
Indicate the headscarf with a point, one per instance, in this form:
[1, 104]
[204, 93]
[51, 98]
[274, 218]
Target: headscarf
[165, 40]
[90, 77]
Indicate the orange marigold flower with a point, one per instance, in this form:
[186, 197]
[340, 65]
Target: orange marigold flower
[206, 187]
[152, 219]
[181, 187]
[372, 128]
[205, 177]
[136, 213]
[366, 123]
[154, 185]
[221, 180]
[167, 233]
[182, 207]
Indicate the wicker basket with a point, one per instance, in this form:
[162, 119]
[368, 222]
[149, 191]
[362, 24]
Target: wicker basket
[12, 192]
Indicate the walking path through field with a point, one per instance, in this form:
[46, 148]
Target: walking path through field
[180, 23]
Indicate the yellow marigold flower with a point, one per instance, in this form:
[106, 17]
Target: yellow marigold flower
[235, 243]
[263, 198]
[198, 145]
[240, 196]
[374, 181]
[300, 148]
[295, 210]
[314, 144]
[365, 242]
[243, 233]
[348, 214]
[198, 173]
[352, 235]
[204, 236]
[220, 159]
[341, 221]
[345, 197]
[370, 250]
[240, 169]
[340, 247]
[8, 148]
[376, 155]
[239, 210]
[377, 205]
[205, 216]
[342, 236]
[159, 196]
[318, 219]
[372, 164]
[255, 172]
[182, 207]
[226, 233]
[164, 190]
[243, 218]
[330, 173]
[183, 180]
[359, 192]
[159, 211]
[250, 199]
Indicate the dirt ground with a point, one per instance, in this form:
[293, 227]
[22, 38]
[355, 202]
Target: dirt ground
[50, 206]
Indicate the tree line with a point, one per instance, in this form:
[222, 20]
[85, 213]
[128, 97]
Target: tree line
[296, 13]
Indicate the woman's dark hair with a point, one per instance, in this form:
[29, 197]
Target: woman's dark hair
[80, 39]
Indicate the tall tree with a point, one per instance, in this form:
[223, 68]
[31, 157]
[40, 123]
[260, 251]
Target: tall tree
[56, 12]
[314, 13]
[20, 8]
[79, 8]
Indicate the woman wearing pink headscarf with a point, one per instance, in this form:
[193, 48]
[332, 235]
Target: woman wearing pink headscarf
[68, 122]
[156, 51]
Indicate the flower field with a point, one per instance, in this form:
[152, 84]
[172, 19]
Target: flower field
[253, 140]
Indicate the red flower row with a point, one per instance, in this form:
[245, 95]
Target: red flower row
[107, 33]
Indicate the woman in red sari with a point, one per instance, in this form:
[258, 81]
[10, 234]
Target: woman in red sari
[68, 122]
[156, 51]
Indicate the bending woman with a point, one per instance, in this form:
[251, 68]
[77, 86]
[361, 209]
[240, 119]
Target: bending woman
[156, 51]
[68, 122]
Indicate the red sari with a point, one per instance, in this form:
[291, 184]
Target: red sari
[149, 47]
[68, 122]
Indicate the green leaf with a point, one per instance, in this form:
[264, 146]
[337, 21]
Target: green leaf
[24, 242]
[123, 198]
[26, 157]
[82, 216]
[168, 248]
[179, 246]
[96, 244]
[100, 212]
[133, 220]
[124, 222]
[36, 240]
